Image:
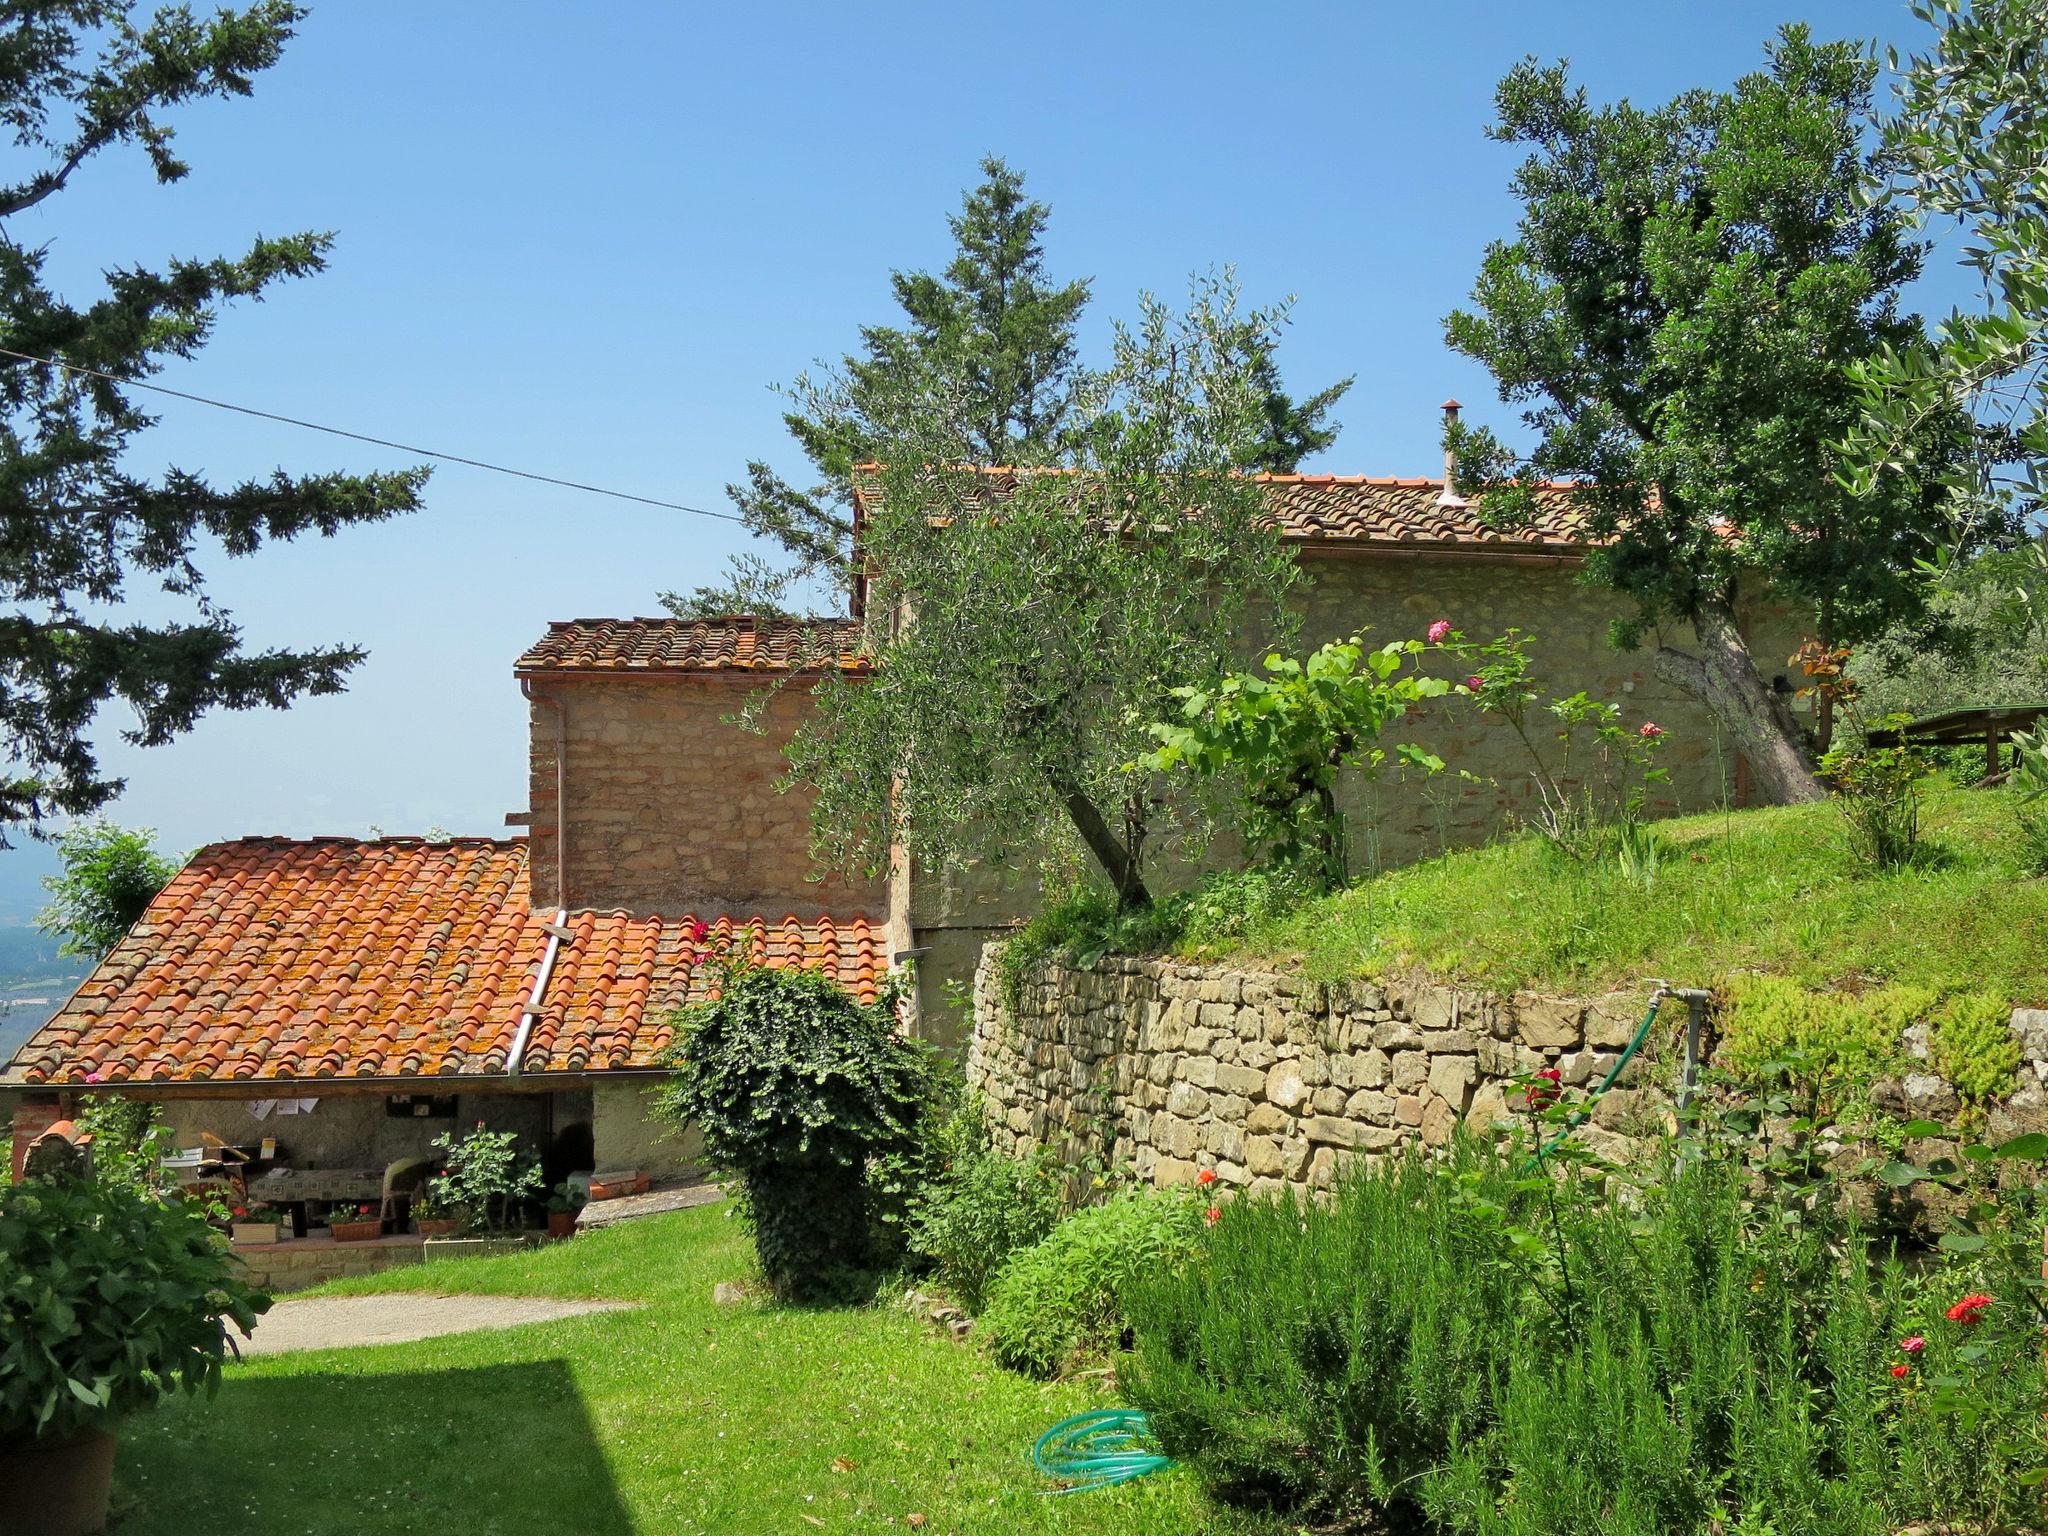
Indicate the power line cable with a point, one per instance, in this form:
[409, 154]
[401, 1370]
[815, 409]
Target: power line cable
[364, 437]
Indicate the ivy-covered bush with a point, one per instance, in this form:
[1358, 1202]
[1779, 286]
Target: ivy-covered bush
[109, 1300]
[1063, 1298]
[796, 1085]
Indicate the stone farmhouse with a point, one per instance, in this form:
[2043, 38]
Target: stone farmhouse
[355, 996]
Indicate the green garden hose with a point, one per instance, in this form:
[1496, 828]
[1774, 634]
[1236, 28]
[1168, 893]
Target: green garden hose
[1620, 1067]
[1097, 1450]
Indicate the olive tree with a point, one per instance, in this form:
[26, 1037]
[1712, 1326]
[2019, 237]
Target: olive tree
[1033, 624]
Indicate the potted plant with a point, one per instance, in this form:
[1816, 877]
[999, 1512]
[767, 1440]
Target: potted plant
[563, 1205]
[434, 1210]
[355, 1223]
[488, 1180]
[119, 1298]
[254, 1223]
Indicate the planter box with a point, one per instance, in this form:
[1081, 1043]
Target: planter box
[356, 1231]
[248, 1232]
[476, 1247]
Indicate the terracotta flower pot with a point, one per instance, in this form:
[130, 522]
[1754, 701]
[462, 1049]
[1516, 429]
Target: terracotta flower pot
[435, 1226]
[561, 1223]
[356, 1231]
[56, 1488]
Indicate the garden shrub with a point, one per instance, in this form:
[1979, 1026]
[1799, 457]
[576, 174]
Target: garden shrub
[1853, 1038]
[1973, 1046]
[110, 1298]
[1488, 1354]
[978, 1206]
[796, 1085]
[1063, 1298]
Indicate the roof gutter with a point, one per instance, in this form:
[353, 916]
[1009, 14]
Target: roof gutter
[557, 931]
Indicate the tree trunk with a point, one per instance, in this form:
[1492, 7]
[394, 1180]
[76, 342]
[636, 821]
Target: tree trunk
[1117, 861]
[1724, 677]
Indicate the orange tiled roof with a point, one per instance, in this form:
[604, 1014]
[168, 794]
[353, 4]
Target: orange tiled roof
[742, 643]
[1369, 510]
[270, 959]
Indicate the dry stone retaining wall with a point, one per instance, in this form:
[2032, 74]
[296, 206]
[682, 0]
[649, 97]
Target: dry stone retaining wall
[1272, 1080]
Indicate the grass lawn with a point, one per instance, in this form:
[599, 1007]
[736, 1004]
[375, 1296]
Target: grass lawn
[1769, 890]
[678, 1417]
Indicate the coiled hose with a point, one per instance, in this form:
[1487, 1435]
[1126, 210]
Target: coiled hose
[1097, 1450]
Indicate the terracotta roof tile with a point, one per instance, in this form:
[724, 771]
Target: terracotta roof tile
[741, 643]
[1366, 510]
[270, 959]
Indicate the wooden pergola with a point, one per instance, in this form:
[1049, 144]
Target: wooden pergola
[1988, 724]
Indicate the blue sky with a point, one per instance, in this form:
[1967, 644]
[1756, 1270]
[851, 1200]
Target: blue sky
[585, 240]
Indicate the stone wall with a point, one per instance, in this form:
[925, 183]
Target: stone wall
[1271, 1080]
[293, 1266]
[672, 807]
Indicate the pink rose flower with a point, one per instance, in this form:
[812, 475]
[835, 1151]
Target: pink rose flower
[1438, 631]
[1914, 1345]
[93, 1077]
[1475, 683]
[1651, 730]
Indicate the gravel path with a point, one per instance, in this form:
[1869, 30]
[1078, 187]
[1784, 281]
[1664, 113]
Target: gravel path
[335, 1322]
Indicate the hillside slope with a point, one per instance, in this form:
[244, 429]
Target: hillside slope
[1771, 890]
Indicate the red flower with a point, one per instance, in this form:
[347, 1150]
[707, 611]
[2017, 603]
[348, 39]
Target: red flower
[1475, 683]
[1543, 1093]
[1650, 731]
[240, 1212]
[1901, 1369]
[1969, 1310]
[698, 931]
[1206, 1176]
[1914, 1345]
[1438, 631]
[1212, 1215]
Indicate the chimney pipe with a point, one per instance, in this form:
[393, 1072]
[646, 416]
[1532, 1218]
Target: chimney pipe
[1450, 496]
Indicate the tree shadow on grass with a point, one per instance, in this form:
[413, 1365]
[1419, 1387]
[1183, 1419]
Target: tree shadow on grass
[474, 1451]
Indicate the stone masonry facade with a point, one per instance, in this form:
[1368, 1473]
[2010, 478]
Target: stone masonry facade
[673, 805]
[1271, 1080]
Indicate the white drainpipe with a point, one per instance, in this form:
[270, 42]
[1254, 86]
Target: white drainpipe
[557, 931]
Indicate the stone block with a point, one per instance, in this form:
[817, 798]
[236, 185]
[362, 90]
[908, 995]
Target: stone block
[1546, 1022]
[1330, 1130]
[1328, 1101]
[1439, 1122]
[1268, 1119]
[1613, 1021]
[1241, 1080]
[1285, 1086]
[1408, 1109]
[1262, 1155]
[1185, 1099]
[1410, 1071]
[1370, 1105]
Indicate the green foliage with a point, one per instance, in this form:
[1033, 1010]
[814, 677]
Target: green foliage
[1969, 146]
[85, 528]
[1062, 1299]
[1286, 738]
[1665, 1365]
[110, 876]
[127, 1141]
[2028, 794]
[484, 1180]
[795, 1084]
[991, 339]
[1973, 1046]
[1055, 612]
[1850, 1038]
[1687, 290]
[109, 1300]
[979, 1206]
[1590, 802]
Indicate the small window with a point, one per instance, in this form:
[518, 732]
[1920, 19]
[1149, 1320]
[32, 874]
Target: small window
[420, 1106]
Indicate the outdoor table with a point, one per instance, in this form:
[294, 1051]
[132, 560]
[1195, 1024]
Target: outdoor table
[1989, 725]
